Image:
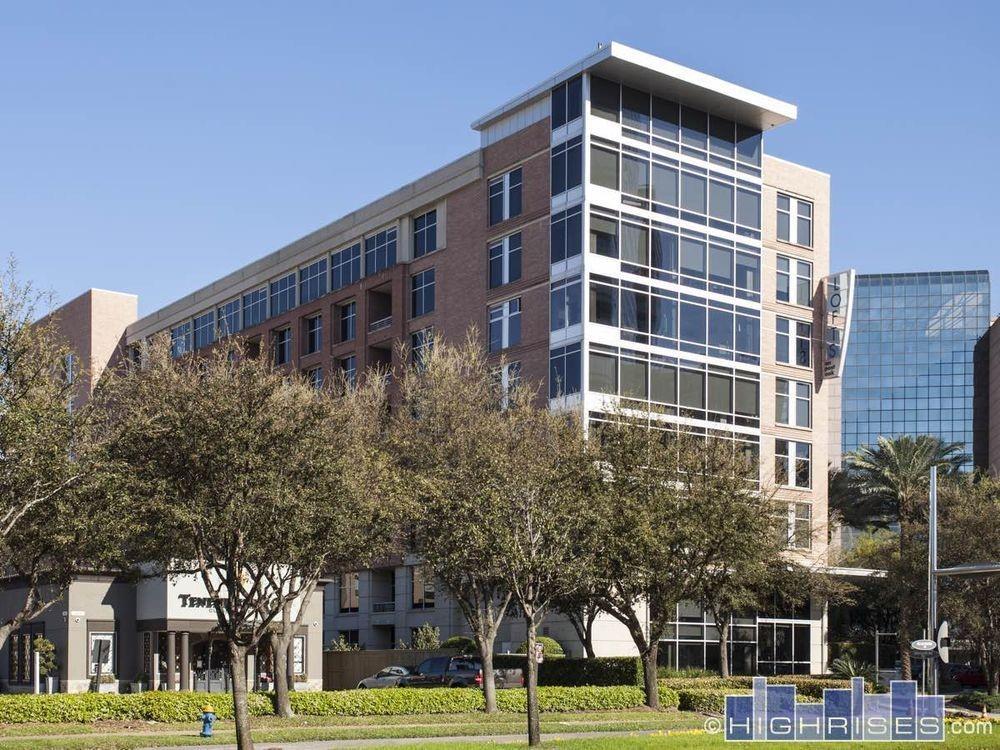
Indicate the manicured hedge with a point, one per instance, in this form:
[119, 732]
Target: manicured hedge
[976, 699]
[152, 706]
[713, 700]
[182, 707]
[810, 686]
[570, 672]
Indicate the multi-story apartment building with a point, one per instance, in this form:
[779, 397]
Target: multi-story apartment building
[914, 358]
[618, 234]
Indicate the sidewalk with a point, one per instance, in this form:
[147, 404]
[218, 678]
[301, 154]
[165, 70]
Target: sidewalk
[395, 742]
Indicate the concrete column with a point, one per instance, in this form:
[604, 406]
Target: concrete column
[251, 666]
[185, 661]
[171, 660]
[154, 656]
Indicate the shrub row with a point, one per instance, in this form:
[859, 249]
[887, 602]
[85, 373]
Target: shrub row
[570, 672]
[181, 707]
[153, 706]
[713, 700]
[976, 699]
[810, 686]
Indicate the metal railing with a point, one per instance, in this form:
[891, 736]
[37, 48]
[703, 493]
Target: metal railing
[378, 325]
[384, 607]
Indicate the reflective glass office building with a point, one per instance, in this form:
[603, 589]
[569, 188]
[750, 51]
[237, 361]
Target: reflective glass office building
[912, 358]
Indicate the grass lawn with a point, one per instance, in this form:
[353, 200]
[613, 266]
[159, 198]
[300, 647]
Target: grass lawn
[128, 735]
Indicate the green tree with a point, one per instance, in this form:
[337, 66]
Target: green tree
[550, 536]
[46, 651]
[891, 482]
[453, 438]
[426, 638]
[249, 478]
[970, 532]
[57, 518]
[646, 564]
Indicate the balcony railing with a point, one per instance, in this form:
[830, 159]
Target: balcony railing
[378, 325]
[384, 607]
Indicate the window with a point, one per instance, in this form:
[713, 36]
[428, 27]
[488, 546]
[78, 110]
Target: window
[314, 377]
[282, 295]
[567, 165]
[380, 251]
[565, 303]
[635, 109]
[792, 403]
[425, 234]
[693, 192]
[747, 272]
[349, 592]
[792, 463]
[299, 654]
[312, 281]
[349, 369]
[204, 330]
[283, 346]
[748, 208]
[603, 304]
[421, 343]
[505, 196]
[422, 293]
[604, 98]
[180, 339]
[102, 652]
[567, 102]
[794, 283]
[505, 325]
[505, 260]
[345, 267]
[635, 176]
[794, 339]
[800, 526]
[665, 189]
[254, 308]
[603, 373]
[508, 376]
[603, 236]
[566, 234]
[228, 318]
[348, 320]
[350, 637]
[748, 145]
[20, 648]
[422, 586]
[604, 167]
[314, 334]
[564, 370]
[795, 218]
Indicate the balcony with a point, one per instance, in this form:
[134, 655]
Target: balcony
[380, 324]
[383, 607]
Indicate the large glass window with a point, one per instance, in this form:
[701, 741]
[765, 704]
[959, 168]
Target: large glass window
[380, 251]
[794, 342]
[795, 220]
[422, 588]
[505, 325]
[567, 165]
[604, 167]
[794, 281]
[565, 303]
[425, 234]
[102, 653]
[792, 403]
[345, 267]
[748, 208]
[792, 463]
[603, 304]
[350, 596]
[505, 196]
[312, 281]
[665, 188]
[564, 370]
[228, 318]
[603, 236]
[180, 339]
[204, 330]
[254, 308]
[603, 373]
[635, 176]
[348, 314]
[566, 235]
[505, 260]
[282, 295]
[422, 293]
[567, 102]
[283, 346]
[604, 98]
[314, 334]
[693, 192]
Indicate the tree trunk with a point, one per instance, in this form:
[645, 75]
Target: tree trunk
[282, 695]
[241, 711]
[489, 678]
[534, 726]
[649, 681]
[583, 624]
[723, 648]
[588, 640]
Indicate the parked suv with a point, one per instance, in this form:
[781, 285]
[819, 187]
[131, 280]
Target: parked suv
[457, 671]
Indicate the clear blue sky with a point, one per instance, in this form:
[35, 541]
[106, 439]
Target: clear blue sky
[152, 147]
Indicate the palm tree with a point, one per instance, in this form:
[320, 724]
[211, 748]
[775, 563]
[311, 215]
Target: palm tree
[891, 481]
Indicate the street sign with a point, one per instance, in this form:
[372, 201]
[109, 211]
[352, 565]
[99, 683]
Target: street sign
[943, 642]
[924, 644]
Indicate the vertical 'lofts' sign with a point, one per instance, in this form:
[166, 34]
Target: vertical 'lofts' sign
[838, 304]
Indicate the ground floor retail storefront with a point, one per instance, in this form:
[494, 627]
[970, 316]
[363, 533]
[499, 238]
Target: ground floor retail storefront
[115, 635]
